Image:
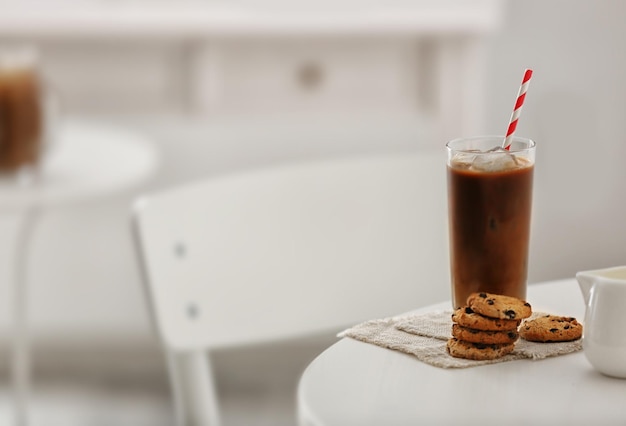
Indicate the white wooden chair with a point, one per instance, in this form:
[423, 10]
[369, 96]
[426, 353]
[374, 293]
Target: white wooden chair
[282, 252]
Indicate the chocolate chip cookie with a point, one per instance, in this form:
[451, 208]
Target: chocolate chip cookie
[551, 328]
[477, 351]
[499, 306]
[472, 335]
[466, 317]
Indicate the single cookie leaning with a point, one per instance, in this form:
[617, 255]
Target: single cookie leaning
[487, 337]
[466, 317]
[551, 328]
[499, 306]
[477, 351]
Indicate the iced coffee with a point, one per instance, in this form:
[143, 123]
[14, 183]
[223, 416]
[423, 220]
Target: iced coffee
[489, 207]
[20, 111]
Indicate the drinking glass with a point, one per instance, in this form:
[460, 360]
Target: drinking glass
[489, 212]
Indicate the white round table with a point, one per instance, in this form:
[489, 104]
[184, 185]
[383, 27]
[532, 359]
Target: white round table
[85, 161]
[355, 383]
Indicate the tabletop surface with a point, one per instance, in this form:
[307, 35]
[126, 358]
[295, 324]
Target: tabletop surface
[85, 160]
[355, 383]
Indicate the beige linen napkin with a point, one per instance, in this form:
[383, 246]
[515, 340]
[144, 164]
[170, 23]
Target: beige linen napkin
[425, 336]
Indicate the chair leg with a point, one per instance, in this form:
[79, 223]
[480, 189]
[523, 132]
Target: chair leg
[195, 398]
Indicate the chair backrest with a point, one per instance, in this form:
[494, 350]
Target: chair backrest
[300, 248]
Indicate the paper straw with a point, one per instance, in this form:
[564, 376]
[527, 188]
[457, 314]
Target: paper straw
[521, 96]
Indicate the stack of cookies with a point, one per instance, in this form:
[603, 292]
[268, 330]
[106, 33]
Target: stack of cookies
[487, 328]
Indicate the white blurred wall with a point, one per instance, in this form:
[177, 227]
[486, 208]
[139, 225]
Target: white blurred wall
[574, 111]
[84, 280]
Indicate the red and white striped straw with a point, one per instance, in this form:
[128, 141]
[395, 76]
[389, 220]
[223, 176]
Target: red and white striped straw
[521, 96]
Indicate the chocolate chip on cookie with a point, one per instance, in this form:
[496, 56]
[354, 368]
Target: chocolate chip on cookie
[477, 351]
[466, 317]
[499, 306]
[551, 328]
[488, 337]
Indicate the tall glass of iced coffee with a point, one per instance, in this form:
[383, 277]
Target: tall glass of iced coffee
[489, 207]
[21, 109]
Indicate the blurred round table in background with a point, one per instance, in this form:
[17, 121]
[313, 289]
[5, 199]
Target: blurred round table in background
[85, 161]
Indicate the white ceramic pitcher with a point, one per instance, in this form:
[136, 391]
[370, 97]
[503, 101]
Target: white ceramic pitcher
[604, 332]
